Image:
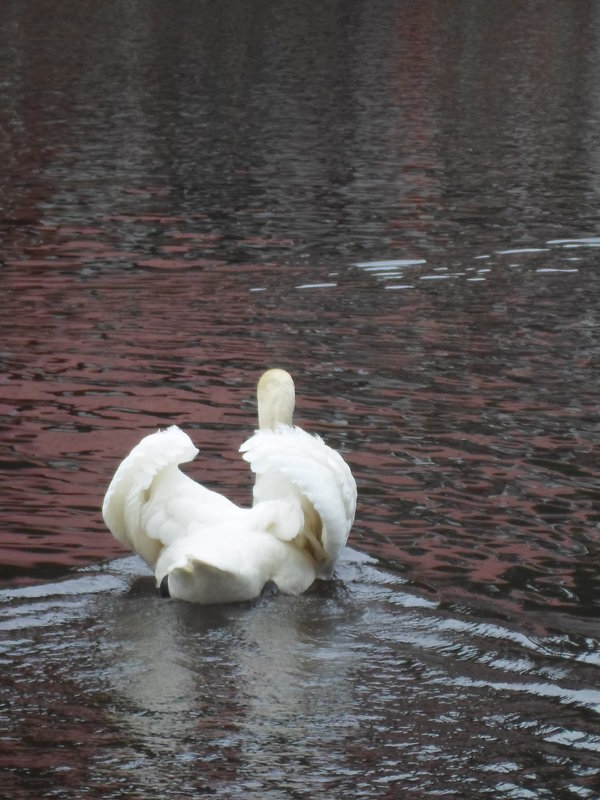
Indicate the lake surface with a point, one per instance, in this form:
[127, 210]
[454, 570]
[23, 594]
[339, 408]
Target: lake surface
[399, 202]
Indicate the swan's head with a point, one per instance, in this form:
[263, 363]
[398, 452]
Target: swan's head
[276, 398]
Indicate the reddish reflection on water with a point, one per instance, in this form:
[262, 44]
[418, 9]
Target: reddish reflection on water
[164, 240]
[469, 423]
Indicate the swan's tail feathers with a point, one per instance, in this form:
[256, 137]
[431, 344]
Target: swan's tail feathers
[131, 486]
[199, 582]
[199, 578]
[230, 564]
[290, 460]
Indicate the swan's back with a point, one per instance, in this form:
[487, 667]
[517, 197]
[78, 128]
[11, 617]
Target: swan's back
[288, 462]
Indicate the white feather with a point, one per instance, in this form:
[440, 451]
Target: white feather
[290, 462]
[210, 549]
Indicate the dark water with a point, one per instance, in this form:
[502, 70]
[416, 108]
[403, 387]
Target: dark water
[400, 203]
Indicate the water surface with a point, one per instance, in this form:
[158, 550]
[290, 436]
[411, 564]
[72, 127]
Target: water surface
[399, 202]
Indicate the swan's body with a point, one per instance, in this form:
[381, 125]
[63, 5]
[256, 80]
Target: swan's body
[208, 549]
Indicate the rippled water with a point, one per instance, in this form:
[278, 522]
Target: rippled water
[399, 202]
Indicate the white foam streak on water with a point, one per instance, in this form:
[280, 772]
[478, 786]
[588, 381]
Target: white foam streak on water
[519, 250]
[388, 270]
[394, 263]
[555, 270]
[586, 241]
[316, 286]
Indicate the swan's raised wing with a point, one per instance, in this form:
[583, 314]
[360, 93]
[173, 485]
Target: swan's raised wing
[290, 460]
[150, 503]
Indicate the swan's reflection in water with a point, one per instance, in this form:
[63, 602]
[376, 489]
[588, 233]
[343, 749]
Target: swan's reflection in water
[244, 693]
[296, 669]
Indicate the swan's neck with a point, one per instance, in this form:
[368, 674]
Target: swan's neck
[276, 398]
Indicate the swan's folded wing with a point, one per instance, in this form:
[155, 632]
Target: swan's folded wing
[316, 470]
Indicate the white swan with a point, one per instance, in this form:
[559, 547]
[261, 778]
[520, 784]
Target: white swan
[204, 548]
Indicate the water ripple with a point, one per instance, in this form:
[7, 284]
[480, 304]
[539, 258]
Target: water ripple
[365, 685]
